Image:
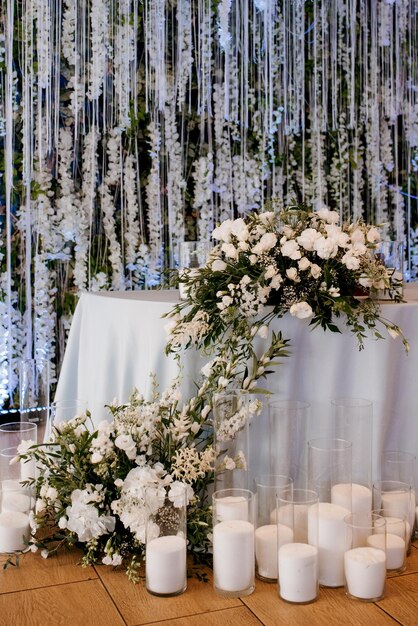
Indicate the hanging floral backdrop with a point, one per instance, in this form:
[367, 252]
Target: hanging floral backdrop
[129, 126]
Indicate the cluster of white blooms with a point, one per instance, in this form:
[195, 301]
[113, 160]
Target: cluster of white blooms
[131, 508]
[189, 464]
[83, 516]
[182, 334]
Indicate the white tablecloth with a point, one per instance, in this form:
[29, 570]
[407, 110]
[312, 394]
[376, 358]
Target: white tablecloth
[117, 339]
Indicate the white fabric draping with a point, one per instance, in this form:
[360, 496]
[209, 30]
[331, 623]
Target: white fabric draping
[117, 339]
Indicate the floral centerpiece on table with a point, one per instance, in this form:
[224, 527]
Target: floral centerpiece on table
[296, 260]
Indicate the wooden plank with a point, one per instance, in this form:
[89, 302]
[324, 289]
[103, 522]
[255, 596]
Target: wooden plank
[34, 571]
[137, 606]
[79, 604]
[401, 601]
[227, 617]
[332, 606]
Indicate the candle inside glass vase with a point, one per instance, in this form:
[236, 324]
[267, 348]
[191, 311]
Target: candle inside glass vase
[233, 545]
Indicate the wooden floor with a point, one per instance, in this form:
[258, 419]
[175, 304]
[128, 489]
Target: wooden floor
[57, 591]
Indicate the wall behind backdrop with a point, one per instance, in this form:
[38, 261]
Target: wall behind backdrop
[129, 126]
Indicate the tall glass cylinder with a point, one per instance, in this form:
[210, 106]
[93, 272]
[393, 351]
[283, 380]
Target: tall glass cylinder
[353, 421]
[233, 542]
[288, 439]
[267, 488]
[17, 493]
[297, 559]
[329, 472]
[166, 541]
[231, 439]
[34, 382]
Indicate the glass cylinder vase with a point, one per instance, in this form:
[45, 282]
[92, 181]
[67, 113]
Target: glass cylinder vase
[267, 488]
[353, 421]
[288, 439]
[400, 466]
[233, 542]
[298, 574]
[329, 472]
[166, 541]
[34, 403]
[231, 439]
[365, 556]
[16, 485]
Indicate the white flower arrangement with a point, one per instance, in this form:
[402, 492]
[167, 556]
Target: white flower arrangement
[91, 490]
[298, 261]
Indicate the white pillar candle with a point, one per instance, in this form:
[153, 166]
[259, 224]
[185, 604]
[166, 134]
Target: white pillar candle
[233, 555]
[300, 520]
[14, 529]
[27, 469]
[165, 565]
[326, 529]
[396, 504]
[15, 501]
[355, 497]
[395, 549]
[267, 540]
[395, 526]
[298, 572]
[365, 572]
[232, 507]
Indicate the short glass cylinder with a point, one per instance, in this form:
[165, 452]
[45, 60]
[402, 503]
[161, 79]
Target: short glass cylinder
[297, 525]
[267, 488]
[166, 541]
[16, 485]
[288, 424]
[365, 557]
[233, 542]
[400, 466]
[396, 541]
[231, 439]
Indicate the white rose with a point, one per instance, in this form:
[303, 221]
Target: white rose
[331, 217]
[326, 248]
[373, 235]
[302, 310]
[365, 281]
[270, 272]
[218, 266]
[340, 237]
[292, 274]
[223, 231]
[266, 243]
[244, 246]
[316, 271]
[307, 238]
[276, 281]
[291, 249]
[350, 261]
[304, 264]
[267, 217]
[127, 444]
[240, 230]
[230, 250]
[357, 236]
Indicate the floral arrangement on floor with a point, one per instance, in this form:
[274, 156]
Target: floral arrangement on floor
[92, 482]
[296, 260]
